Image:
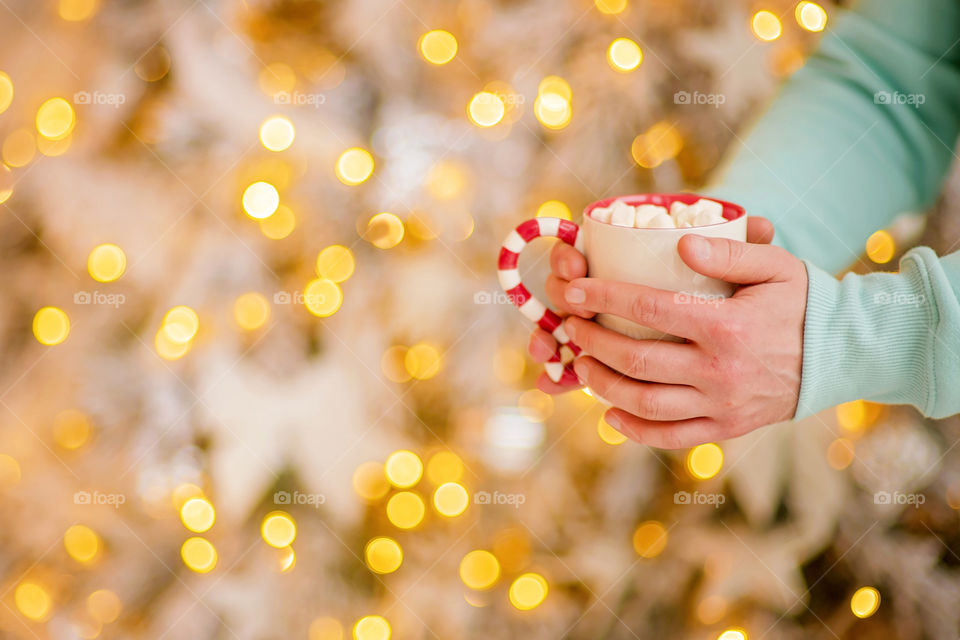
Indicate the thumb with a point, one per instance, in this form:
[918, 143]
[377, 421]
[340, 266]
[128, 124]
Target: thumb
[733, 261]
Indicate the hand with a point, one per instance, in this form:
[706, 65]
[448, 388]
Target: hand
[740, 369]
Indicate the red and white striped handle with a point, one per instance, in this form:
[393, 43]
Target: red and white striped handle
[529, 306]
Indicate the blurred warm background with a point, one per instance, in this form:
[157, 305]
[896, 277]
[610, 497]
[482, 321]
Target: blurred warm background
[257, 381]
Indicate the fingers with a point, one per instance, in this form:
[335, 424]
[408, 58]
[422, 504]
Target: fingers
[654, 308]
[732, 261]
[759, 230]
[649, 360]
[643, 399]
[545, 384]
[555, 294]
[566, 262]
[542, 345]
[665, 435]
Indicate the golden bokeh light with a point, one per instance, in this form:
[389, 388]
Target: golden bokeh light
[451, 499]
[280, 225]
[106, 263]
[54, 148]
[51, 326]
[7, 182]
[865, 602]
[509, 365]
[278, 529]
[277, 133]
[260, 200]
[659, 143]
[554, 209]
[857, 415]
[608, 434]
[486, 109]
[322, 297]
[354, 166]
[711, 609]
[335, 263]
[735, 633]
[528, 591]
[552, 111]
[403, 469]
[383, 555]
[649, 539]
[446, 180]
[811, 16]
[371, 628]
[384, 231]
[438, 46]
[19, 148]
[104, 605]
[405, 509]
[479, 569]
[277, 78]
[704, 461]
[77, 10]
[9, 471]
[167, 348]
[444, 466]
[624, 55]
[153, 65]
[423, 361]
[33, 601]
[199, 555]
[6, 91]
[610, 7]
[180, 324]
[197, 514]
[840, 453]
[71, 429]
[766, 25]
[251, 311]
[325, 628]
[82, 543]
[55, 119]
[392, 363]
[370, 481]
[881, 247]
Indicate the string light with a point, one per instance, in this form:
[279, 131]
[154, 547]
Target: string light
[55, 119]
[451, 499]
[71, 429]
[335, 263]
[444, 466]
[199, 555]
[624, 55]
[649, 539]
[106, 263]
[33, 601]
[479, 569]
[6, 91]
[608, 434]
[180, 324]
[279, 225]
[384, 231]
[325, 628]
[610, 7]
[704, 461]
[766, 25]
[405, 509]
[438, 46]
[733, 634]
[277, 133]
[82, 543]
[354, 166]
[6, 181]
[528, 591]
[881, 247]
[661, 142]
[19, 148]
[278, 529]
[865, 602]
[369, 481]
[840, 453]
[383, 555]
[423, 361]
[77, 10]
[446, 180]
[51, 326]
[403, 469]
[167, 348]
[554, 209]
[104, 605]
[486, 109]
[371, 628]
[251, 311]
[260, 200]
[197, 514]
[322, 297]
[811, 16]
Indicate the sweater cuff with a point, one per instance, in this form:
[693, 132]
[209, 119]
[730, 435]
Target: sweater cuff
[865, 337]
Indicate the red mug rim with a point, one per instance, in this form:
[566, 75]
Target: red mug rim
[731, 211]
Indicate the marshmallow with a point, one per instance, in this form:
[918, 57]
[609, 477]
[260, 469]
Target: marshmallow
[676, 207]
[646, 213]
[661, 221]
[622, 214]
[601, 214]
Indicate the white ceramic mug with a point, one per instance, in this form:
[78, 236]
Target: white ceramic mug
[626, 254]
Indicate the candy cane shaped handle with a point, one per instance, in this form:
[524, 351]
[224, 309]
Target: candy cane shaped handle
[519, 295]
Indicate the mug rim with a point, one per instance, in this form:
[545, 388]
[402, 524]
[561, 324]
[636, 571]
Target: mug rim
[731, 211]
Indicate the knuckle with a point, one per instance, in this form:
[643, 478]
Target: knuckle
[645, 309]
[636, 362]
[649, 406]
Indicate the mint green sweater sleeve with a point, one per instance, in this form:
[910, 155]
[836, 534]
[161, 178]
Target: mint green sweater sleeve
[863, 132]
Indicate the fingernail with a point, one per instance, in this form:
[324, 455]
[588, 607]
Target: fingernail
[613, 421]
[580, 368]
[569, 328]
[700, 246]
[574, 295]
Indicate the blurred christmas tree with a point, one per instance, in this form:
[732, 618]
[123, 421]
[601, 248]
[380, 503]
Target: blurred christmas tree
[257, 382]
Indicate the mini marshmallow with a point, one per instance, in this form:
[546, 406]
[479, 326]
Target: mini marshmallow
[601, 214]
[622, 214]
[646, 213]
[661, 221]
[676, 207]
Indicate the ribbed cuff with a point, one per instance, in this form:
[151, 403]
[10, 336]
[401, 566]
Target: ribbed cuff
[866, 336]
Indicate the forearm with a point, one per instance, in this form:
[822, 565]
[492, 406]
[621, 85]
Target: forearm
[888, 337]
